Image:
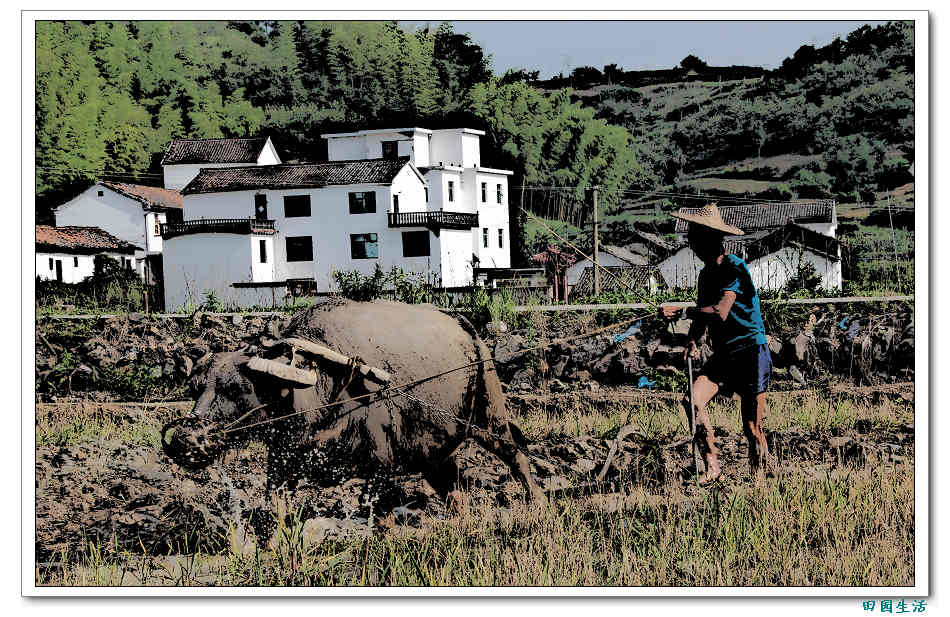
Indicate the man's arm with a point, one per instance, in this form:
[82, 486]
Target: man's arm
[702, 316]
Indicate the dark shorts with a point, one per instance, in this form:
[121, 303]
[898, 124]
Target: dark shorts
[746, 371]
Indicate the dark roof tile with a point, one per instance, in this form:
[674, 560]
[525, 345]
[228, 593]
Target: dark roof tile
[196, 151]
[770, 215]
[312, 175]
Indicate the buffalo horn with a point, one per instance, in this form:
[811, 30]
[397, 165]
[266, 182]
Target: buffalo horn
[370, 372]
[294, 375]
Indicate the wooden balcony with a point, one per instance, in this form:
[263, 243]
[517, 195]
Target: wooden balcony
[434, 220]
[218, 226]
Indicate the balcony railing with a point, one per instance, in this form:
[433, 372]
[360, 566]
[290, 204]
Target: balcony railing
[435, 220]
[220, 226]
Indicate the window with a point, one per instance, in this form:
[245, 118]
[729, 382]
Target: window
[427, 194]
[501, 238]
[75, 262]
[485, 238]
[128, 264]
[158, 227]
[484, 192]
[260, 207]
[50, 263]
[499, 194]
[296, 205]
[396, 203]
[363, 203]
[415, 244]
[263, 246]
[100, 193]
[390, 149]
[364, 246]
[451, 190]
[299, 248]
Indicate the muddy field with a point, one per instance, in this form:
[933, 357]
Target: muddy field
[102, 482]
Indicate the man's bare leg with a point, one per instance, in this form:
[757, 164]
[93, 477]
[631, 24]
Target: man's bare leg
[703, 392]
[753, 415]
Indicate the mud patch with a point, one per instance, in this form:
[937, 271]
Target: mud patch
[133, 499]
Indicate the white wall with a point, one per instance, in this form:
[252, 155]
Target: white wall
[769, 272]
[198, 263]
[438, 180]
[773, 271]
[445, 148]
[71, 273]
[491, 215]
[121, 216]
[456, 255]
[360, 147]
[268, 155]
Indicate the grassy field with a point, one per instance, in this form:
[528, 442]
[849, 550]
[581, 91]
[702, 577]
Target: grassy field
[851, 525]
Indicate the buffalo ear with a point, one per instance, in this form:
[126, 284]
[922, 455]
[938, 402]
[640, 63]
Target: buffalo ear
[301, 378]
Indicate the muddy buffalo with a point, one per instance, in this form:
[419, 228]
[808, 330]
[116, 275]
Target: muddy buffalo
[333, 388]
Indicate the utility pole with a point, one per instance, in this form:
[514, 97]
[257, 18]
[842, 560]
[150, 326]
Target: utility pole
[596, 247]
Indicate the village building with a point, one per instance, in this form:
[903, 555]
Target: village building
[450, 162]
[251, 234]
[651, 246]
[184, 158]
[780, 238]
[67, 254]
[132, 213]
[607, 256]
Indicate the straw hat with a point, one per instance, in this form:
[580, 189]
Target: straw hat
[708, 216]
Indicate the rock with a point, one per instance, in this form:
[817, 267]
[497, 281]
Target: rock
[497, 327]
[507, 347]
[237, 320]
[797, 375]
[800, 345]
[582, 375]
[682, 326]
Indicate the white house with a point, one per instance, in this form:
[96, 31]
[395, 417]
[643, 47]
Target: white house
[67, 254]
[248, 231]
[450, 162]
[130, 212]
[184, 158]
[780, 238]
[607, 256]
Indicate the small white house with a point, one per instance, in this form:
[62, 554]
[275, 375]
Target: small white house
[450, 162]
[607, 256]
[67, 254]
[184, 158]
[130, 212]
[779, 239]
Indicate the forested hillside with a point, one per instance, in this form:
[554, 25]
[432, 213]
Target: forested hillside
[834, 121]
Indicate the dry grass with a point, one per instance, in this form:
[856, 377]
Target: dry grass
[853, 525]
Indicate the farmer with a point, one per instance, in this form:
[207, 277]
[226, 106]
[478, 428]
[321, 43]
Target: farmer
[727, 305]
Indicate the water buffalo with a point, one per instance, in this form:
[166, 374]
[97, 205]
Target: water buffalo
[345, 350]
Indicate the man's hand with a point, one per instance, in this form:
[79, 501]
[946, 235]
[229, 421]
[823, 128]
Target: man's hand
[670, 312]
[691, 351]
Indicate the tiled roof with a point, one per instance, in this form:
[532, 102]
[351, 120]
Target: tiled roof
[653, 243]
[764, 242]
[150, 196]
[194, 151]
[620, 279]
[312, 175]
[769, 215]
[625, 255]
[80, 240]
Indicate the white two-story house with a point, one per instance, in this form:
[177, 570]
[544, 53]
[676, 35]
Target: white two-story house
[249, 233]
[450, 161]
[132, 213]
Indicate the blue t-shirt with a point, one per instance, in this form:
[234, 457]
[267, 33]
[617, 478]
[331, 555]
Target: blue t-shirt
[743, 326]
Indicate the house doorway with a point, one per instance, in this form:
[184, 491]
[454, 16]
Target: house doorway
[59, 270]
